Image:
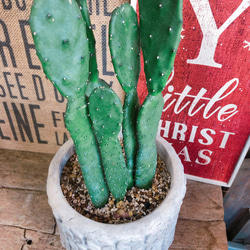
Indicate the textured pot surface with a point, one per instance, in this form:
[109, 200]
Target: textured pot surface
[154, 231]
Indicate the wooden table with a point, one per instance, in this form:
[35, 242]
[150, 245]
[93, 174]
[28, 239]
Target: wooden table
[26, 220]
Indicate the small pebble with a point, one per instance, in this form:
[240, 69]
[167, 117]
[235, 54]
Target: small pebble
[119, 204]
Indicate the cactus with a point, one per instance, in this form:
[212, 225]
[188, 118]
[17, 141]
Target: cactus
[65, 45]
[79, 126]
[125, 52]
[159, 41]
[160, 27]
[65, 59]
[130, 111]
[93, 70]
[124, 46]
[105, 105]
[147, 125]
[69, 70]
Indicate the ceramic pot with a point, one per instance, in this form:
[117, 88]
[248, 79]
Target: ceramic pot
[154, 231]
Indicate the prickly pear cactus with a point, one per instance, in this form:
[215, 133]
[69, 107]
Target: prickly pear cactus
[65, 45]
[130, 110]
[125, 46]
[93, 70]
[125, 52]
[105, 110]
[160, 27]
[79, 126]
[147, 127]
[52, 32]
[62, 47]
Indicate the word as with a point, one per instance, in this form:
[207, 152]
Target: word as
[202, 159]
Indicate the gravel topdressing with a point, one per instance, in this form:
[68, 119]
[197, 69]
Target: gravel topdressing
[136, 204]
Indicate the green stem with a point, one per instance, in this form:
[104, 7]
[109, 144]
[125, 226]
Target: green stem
[79, 126]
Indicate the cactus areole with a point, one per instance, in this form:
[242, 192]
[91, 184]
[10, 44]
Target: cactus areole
[65, 45]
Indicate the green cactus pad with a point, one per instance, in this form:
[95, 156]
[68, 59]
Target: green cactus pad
[105, 110]
[93, 85]
[125, 52]
[124, 46]
[79, 126]
[59, 33]
[130, 111]
[147, 127]
[160, 28]
[93, 70]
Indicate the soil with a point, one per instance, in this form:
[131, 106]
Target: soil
[136, 204]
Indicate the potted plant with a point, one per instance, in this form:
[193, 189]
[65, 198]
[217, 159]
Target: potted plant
[94, 116]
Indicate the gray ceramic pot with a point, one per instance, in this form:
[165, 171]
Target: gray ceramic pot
[154, 231]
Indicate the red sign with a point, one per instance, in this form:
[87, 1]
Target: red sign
[206, 115]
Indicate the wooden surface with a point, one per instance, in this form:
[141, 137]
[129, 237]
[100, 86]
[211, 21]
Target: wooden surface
[237, 199]
[26, 220]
